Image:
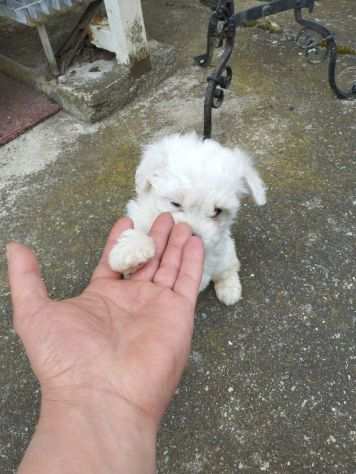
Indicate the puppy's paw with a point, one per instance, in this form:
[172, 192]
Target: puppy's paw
[133, 249]
[228, 290]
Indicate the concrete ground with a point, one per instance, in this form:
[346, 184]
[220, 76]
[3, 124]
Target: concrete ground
[271, 381]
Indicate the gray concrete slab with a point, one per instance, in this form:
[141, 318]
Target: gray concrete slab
[270, 386]
[94, 85]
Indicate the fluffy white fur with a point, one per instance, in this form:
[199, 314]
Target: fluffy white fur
[200, 183]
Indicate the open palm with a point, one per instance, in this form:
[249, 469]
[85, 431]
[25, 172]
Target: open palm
[124, 338]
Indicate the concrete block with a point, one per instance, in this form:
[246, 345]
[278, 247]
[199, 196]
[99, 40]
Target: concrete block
[94, 90]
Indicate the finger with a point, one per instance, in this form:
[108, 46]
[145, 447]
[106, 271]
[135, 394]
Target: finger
[190, 273]
[167, 272]
[160, 232]
[28, 292]
[103, 269]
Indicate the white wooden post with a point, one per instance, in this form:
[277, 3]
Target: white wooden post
[122, 32]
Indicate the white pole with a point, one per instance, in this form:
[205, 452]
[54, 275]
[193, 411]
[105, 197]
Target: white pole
[123, 32]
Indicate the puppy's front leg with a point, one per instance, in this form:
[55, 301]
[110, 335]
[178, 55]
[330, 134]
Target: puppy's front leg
[226, 280]
[133, 249]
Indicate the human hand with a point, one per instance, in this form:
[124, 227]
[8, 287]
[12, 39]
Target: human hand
[124, 340]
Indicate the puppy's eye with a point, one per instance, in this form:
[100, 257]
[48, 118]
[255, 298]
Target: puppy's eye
[176, 204]
[217, 212]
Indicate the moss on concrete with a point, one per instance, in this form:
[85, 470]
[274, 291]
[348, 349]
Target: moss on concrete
[344, 49]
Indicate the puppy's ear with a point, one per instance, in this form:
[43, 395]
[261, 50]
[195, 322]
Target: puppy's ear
[251, 178]
[151, 167]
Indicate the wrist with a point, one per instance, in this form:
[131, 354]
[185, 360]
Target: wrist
[92, 434]
[100, 403]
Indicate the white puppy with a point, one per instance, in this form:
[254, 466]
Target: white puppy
[200, 183]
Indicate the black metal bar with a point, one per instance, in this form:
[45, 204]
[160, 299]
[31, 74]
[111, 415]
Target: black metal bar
[217, 82]
[330, 44]
[268, 9]
[205, 59]
[221, 77]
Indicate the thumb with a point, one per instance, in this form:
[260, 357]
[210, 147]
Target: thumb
[28, 292]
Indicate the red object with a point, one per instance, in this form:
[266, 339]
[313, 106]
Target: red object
[21, 108]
